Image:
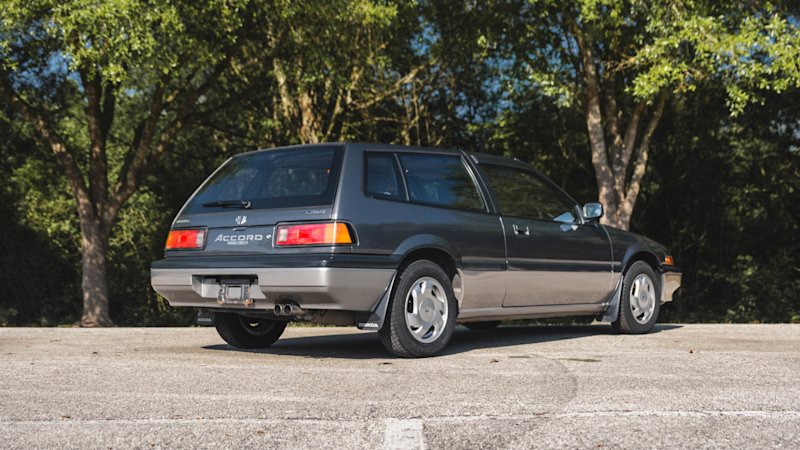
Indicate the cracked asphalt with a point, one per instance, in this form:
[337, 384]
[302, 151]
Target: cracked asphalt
[684, 386]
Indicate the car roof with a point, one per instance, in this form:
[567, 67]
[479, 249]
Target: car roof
[286, 147]
[365, 145]
[480, 158]
[405, 148]
[476, 157]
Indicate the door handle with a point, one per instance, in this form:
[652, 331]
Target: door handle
[521, 230]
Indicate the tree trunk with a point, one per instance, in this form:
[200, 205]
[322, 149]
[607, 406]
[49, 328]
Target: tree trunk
[309, 125]
[611, 150]
[94, 283]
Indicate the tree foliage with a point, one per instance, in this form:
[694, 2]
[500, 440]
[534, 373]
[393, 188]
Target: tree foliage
[108, 86]
[620, 61]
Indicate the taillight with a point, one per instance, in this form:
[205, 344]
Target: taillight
[313, 234]
[186, 239]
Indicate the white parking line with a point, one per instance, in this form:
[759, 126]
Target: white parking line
[403, 434]
[778, 414]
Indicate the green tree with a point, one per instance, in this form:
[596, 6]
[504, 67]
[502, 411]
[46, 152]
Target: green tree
[326, 71]
[621, 61]
[71, 69]
[722, 194]
[108, 86]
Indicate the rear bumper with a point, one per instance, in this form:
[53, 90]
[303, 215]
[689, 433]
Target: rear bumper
[670, 282]
[332, 288]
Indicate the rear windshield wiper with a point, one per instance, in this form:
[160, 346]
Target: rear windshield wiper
[228, 204]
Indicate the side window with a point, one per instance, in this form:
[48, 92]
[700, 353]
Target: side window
[521, 193]
[382, 177]
[441, 180]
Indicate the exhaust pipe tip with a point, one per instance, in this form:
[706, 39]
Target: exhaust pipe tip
[288, 309]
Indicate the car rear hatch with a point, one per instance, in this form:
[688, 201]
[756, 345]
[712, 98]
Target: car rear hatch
[239, 205]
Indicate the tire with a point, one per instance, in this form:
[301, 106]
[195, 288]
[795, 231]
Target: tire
[421, 327]
[248, 332]
[482, 326]
[640, 302]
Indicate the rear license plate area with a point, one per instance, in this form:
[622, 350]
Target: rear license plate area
[235, 291]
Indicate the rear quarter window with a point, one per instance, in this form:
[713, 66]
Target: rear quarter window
[287, 178]
[382, 176]
[440, 180]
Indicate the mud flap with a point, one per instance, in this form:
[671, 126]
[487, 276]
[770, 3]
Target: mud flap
[375, 319]
[612, 310]
[205, 317]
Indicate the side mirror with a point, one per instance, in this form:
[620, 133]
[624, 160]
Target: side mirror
[592, 211]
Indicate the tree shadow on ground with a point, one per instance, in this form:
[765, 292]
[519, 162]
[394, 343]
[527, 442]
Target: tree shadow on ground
[368, 345]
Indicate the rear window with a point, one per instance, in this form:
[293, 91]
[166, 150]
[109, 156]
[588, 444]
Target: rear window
[290, 178]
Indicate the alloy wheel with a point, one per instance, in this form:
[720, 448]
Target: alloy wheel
[426, 309]
[642, 298]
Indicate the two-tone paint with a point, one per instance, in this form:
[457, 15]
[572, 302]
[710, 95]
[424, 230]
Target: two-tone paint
[501, 267]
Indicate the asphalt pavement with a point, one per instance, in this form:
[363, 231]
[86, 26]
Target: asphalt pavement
[683, 386]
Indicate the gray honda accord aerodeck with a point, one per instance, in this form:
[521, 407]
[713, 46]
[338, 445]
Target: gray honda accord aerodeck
[403, 240]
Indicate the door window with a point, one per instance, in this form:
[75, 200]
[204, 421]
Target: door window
[522, 193]
[441, 180]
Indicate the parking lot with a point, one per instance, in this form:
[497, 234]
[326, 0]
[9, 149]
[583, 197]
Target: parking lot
[521, 387]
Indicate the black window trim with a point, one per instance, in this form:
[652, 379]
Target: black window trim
[477, 182]
[402, 176]
[492, 206]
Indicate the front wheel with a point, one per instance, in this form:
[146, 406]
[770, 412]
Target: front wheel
[248, 332]
[640, 301]
[422, 312]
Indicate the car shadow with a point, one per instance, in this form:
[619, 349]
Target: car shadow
[368, 345]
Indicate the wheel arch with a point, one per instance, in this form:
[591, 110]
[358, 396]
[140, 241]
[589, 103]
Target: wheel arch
[650, 258]
[641, 254]
[438, 255]
[438, 251]
[432, 247]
